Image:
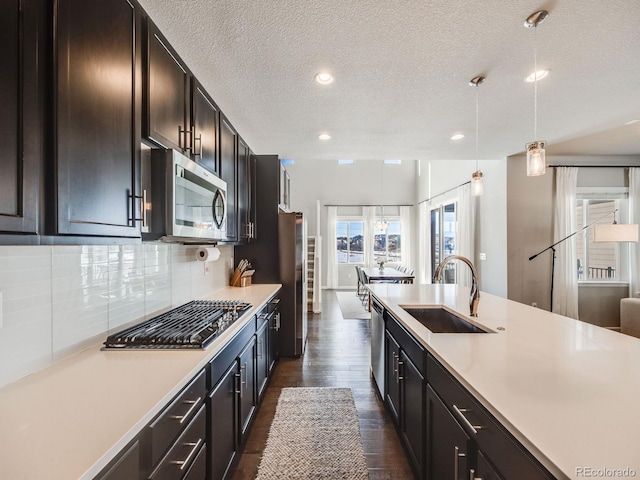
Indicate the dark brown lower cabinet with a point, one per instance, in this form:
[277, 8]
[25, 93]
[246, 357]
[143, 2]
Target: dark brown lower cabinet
[447, 442]
[126, 466]
[223, 435]
[405, 393]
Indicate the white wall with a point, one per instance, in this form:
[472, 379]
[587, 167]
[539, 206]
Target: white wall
[357, 184]
[437, 176]
[57, 300]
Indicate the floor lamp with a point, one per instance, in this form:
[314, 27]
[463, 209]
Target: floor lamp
[608, 232]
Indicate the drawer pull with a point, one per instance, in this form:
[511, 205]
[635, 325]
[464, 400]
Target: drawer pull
[185, 462]
[193, 403]
[400, 364]
[456, 465]
[460, 412]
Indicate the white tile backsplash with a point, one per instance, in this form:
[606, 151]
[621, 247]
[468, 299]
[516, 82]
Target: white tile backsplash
[59, 299]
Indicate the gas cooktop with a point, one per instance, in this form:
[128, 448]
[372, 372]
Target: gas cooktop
[191, 326]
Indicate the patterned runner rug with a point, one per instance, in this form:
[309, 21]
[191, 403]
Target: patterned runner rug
[315, 434]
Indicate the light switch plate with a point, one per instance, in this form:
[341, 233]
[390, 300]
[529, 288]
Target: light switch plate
[483, 256]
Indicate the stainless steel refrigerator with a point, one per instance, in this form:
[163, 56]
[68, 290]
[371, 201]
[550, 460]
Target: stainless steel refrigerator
[293, 314]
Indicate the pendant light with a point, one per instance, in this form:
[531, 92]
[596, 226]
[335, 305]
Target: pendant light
[381, 223]
[477, 188]
[535, 149]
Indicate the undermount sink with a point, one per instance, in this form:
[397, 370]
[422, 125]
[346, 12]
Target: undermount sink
[439, 320]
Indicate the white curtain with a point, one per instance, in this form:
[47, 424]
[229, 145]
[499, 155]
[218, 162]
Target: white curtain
[405, 234]
[369, 217]
[332, 250]
[423, 270]
[565, 292]
[465, 235]
[634, 217]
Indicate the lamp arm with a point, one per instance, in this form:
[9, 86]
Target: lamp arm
[577, 231]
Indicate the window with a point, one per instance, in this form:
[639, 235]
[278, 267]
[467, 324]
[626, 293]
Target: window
[349, 238]
[600, 262]
[387, 244]
[444, 223]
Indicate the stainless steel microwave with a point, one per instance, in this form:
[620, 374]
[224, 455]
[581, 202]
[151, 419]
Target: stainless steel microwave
[188, 203]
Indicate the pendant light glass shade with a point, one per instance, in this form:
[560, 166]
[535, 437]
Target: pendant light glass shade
[477, 188]
[536, 164]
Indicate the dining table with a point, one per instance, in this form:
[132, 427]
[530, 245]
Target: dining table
[386, 275]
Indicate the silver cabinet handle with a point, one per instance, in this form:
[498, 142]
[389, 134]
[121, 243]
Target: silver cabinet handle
[243, 367]
[239, 383]
[193, 403]
[400, 364]
[472, 475]
[185, 462]
[278, 321]
[456, 464]
[195, 139]
[143, 208]
[395, 365]
[460, 412]
[183, 133]
[259, 348]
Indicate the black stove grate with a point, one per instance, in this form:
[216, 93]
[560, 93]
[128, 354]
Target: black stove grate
[192, 325]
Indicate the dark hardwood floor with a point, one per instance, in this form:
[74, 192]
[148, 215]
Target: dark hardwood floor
[337, 355]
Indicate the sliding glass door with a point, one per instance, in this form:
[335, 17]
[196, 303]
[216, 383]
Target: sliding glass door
[444, 226]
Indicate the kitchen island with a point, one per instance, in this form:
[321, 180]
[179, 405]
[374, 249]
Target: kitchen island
[566, 390]
[68, 421]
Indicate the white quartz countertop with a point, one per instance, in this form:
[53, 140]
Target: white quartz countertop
[69, 420]
[567, 390]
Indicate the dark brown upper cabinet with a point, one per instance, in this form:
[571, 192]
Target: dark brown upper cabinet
[205, 117]
[166, 94]
[98, 118]
[246, 224]
[22, 80]
[229, 173]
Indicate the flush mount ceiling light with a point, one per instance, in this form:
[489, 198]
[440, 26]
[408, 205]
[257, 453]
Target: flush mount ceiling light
[477, 188]
[324, 136]
[457, 136]
[324, 78]
[535, 149]
[537, 75]
[631, 122]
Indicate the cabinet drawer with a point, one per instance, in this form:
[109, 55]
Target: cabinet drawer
[198, 469]
[183, 452]
[509, 457]
[407, 343]
[176, 416]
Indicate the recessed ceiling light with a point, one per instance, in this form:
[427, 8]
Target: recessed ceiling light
[457, 136]
[631, 122]
[539, 75]
[392, 161]
[324, 78]
[324, 136]
[345, 161]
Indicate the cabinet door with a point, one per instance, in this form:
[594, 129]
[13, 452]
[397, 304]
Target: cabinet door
[98, 139]
[247, 386]
[413, 411]
[484, 470]
[244, 191]
[21, 80]
[262, 357]
[447, 443]
[229, 173]
[204, 126]
[392, 378]
[222, 437]
[126, 467]
[166, 94]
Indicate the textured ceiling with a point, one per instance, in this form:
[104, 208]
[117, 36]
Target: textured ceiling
[402, 70]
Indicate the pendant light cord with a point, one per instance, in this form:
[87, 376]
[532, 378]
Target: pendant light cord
[477, 116]
[535, 84]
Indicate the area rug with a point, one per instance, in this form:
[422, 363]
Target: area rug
[351, 307]
[315, 434]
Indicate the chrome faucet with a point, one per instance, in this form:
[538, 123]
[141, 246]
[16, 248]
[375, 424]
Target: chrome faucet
[474, 296]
